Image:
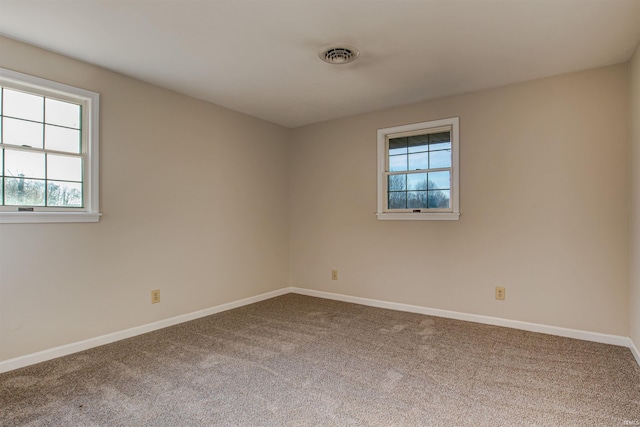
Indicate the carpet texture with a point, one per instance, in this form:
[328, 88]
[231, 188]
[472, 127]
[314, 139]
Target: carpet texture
[301, 361]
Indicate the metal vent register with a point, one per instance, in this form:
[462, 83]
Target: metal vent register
[339, 55]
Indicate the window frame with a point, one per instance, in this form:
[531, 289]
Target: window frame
[90, 104]
[451, 213]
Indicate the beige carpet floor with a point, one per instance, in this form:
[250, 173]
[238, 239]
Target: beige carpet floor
[301, 361]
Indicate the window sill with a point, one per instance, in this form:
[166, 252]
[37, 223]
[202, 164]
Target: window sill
[447, 216]
[47, 217]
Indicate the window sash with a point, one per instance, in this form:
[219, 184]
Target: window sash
[427, 190]
[4, 147]
[46, 179]
[388, 173]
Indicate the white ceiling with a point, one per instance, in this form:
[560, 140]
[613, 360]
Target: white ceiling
[260, 57]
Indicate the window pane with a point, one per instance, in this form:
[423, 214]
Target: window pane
[22, 105]
[64, 168]
[62, 139]
[62, 113]
[416, 199]
[439, 199]
[398, 163]
[435, 138]
[24, 164]
[397, 200]
[440, 159]
[417, 181]
[419, 161]
[440, 146]
[21, 192]
[439, 180]
[418, 143]
[64, 194]
[20, 132]
[397, 182]
[397, 146]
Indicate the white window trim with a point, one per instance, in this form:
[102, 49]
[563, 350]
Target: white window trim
[452, 213]
[91, 114]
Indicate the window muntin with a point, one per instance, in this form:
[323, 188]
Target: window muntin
[48, 151]
[417, 171]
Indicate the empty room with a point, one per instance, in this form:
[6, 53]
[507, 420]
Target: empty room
[320, 213]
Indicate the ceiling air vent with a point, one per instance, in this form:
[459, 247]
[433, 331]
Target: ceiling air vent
[339, 55]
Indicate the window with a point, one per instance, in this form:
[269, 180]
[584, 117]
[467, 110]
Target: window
[418, 171]
[48, 151]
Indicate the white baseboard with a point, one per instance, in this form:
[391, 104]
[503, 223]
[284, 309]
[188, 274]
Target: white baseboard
[634, 350]
[42, 356]
[477, 318]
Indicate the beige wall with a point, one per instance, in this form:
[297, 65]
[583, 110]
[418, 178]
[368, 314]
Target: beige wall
[195, 203]
[544, 202]
[634, 290]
